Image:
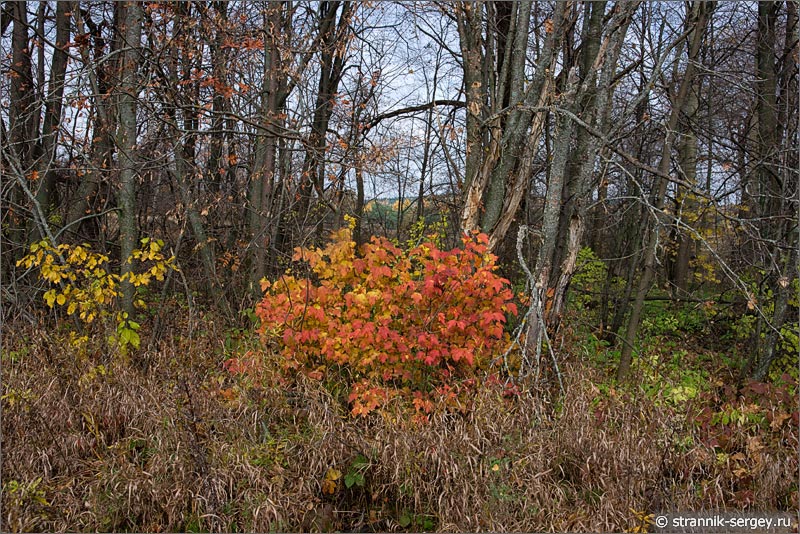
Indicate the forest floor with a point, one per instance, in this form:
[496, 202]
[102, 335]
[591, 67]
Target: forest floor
[168, 440]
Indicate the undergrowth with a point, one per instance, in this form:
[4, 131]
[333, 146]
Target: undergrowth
[91, 443]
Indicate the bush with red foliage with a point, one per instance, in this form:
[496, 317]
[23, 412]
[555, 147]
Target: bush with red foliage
[388, 322]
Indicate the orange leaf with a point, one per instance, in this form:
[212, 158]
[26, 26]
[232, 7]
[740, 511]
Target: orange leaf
[328, 487]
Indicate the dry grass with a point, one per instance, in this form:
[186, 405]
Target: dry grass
[163, 450]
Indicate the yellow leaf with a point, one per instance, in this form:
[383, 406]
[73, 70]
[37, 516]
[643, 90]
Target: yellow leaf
[328, 487]
[50, 297]
[61, 299]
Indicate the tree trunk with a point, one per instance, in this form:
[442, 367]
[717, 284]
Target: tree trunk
[101, 65]
[183, 93]
[552, 211]
[22, 113]
[595, 103]
[332, 65]
[511, 89]
[126, 143]
[766, 84]
[470, 31]
[52, 118]
[221, 103]
[22, 119]
[777, 128]
[698, 18]
[768, 350]
[687, 207]
[263, 176]
[599, 60]
[500, 153]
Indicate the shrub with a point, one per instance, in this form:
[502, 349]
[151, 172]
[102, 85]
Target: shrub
[387, 322]
[83, 285]
[590, 275]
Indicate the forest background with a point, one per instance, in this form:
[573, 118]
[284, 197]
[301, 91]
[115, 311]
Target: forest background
[352, 265]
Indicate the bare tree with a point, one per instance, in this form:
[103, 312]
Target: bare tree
[698, 15]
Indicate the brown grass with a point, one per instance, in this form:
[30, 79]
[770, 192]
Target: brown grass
[163, 450]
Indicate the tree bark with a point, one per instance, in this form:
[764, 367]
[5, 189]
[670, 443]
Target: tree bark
[687, 207]
[766, 104]
[221, 103]
[334, 35]
[776, 90]
[768, 350]
[22, 113]
[17, 145]
[127, 95]
[594, 102]
[598, 64]
[552, 211]
[100, 67]
[501, 150]
[263, 185]
[53, 106]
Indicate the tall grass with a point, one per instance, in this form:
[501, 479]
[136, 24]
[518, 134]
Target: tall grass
[183, 446]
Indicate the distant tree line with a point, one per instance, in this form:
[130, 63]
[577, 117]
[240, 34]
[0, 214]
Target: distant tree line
[664, 136]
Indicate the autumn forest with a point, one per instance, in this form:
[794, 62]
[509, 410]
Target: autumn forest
[373, 266]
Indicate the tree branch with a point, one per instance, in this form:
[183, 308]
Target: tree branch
[412, 109]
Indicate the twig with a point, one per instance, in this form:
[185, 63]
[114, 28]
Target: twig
[523, 232]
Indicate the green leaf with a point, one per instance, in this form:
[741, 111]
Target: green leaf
[125, 336]
[404, 520]
[135, 339]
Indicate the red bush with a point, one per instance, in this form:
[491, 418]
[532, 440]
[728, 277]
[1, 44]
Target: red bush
[388, 322]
